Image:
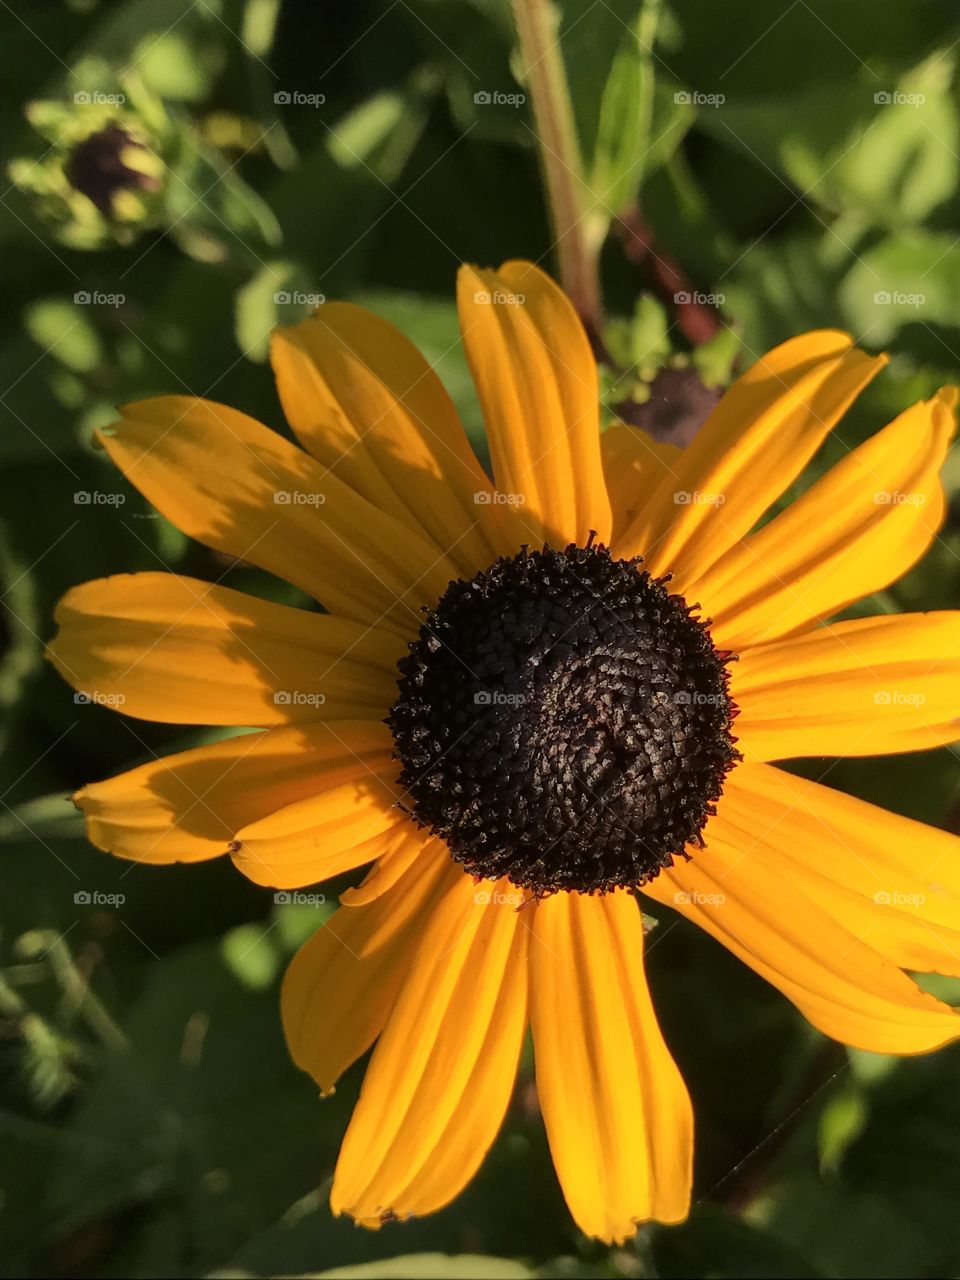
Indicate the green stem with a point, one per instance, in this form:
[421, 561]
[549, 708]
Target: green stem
[567, 194]
[648, 24]
[78, 997]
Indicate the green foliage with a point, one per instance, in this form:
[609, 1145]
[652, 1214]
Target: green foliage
[797, 161]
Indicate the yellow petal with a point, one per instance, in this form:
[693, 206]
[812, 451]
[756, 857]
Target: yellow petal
[401, 847]
[341, 985]
[753, 445]
[617, 1113]
[537, 382]
[442, 1074]
[181, 651]
[859, 528]
[845, 987]
[865, 687]
[365, 402]
[187, 807]
[229, 482]
[890, 881]
[324, 834]
[634, 464]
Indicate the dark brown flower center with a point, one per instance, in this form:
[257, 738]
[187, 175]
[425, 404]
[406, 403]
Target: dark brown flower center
[96, 167]
[564, 720]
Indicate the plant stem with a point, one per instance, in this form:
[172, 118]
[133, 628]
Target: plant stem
[567, 194]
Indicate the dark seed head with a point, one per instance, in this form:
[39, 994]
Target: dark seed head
[97, 167]
[563, 720]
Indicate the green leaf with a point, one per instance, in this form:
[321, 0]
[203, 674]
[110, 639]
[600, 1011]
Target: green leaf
[205, 1113]
[64, 330]
[912, 278]
[258, 306]
[842, 1120]
[52, 817]
[20, 654]
[847, 1231]
[778, 289]
[211, 211]
[871, 1068]
[902, 165]
[887, 153]
[249, 953]
[380, 134]
[642, 119]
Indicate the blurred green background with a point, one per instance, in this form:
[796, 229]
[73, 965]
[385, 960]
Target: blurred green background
[783, 165]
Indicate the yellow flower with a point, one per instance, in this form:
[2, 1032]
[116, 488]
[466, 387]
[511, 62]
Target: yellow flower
[559, 731]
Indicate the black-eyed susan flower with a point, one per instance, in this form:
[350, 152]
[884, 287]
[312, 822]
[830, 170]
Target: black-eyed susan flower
[103, 176]
[506, 707]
